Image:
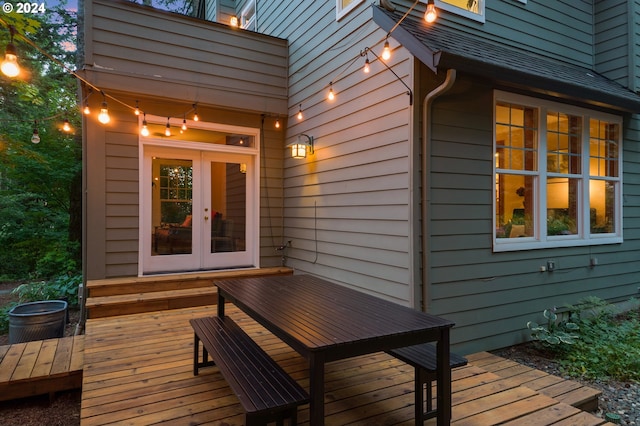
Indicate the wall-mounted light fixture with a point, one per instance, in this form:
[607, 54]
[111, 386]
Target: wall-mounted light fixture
[300, 148]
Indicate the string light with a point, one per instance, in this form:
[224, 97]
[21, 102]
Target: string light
[386, 50]
[145, 130]
[35, 137]
[300, 113]
[103, 117]
[66, 126]
[367, 68]
[277, 125]
[86, 109]
[137, 110]
[430, 15]
[184, 124]
[10, 66]
[331, 95]
[195, 112]
[167, 130]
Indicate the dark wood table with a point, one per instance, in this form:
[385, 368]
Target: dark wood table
[325, 322]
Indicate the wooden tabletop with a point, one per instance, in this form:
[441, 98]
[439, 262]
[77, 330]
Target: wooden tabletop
[312, 314]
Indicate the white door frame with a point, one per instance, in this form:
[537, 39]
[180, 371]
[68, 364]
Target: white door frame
[201, 153]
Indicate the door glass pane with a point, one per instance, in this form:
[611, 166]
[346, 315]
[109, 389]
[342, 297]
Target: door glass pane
[172, 201]
[228, 207]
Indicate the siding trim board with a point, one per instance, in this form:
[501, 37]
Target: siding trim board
[440, 48]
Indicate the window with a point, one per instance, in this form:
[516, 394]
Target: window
[345, 6]
[557, 175]
[248, 16]
[473, 9]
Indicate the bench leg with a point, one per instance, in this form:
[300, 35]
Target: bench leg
[197, 364]
[420, 381]
[196, 349]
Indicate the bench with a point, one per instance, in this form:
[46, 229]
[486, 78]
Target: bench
[267, 393]
[423, 358]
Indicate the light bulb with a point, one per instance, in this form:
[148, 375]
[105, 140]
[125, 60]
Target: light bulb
[300, 113]
[331, 95]
[35, 138]
[167, 130]
[137, 110]
[195, 116]
[86, 109]
[233, 21]
[10, 66]
[277, 124]
[103, 117]
[145, 130]
[66, 126]
[430, 15]
[366, 68]
[184, 124]
[386, 51]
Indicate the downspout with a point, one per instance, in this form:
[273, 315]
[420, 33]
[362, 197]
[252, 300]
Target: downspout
[426, 160]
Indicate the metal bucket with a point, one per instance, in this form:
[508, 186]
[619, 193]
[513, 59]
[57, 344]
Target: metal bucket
[37, 321]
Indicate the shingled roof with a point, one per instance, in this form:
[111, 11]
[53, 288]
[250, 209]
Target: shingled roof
[440, 48]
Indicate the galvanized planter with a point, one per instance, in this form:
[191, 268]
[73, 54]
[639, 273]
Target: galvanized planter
[37, 321]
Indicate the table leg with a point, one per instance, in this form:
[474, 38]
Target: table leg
[220, 304]
[443, 379]
[316, 390]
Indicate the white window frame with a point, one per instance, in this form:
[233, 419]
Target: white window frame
[248, 20]
[480, 17]
[583, 237]
[341, 12]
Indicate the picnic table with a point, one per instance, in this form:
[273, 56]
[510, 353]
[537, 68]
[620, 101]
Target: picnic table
[325, 322]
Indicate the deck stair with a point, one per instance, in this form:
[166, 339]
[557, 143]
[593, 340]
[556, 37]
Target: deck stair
[133, 295]
[41, 367]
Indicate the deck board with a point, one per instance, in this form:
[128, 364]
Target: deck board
[41, 367]
[138, 370]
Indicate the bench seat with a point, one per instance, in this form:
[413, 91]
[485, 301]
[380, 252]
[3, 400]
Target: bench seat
[267, 393]
[423, 358]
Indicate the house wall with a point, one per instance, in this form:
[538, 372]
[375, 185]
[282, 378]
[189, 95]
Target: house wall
[349, 206]
[491, 296]
[166, 62]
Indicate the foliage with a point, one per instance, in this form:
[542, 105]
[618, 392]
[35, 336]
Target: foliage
[609, 344]
[63, 287]
[4, 317]
[555, 334]
[36, 179]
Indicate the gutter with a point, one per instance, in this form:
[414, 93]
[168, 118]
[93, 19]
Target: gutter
[448, 82]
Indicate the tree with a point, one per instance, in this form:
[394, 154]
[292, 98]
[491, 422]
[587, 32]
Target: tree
[35, 179]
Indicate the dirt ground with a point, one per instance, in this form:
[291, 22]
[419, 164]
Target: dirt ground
[60, 409]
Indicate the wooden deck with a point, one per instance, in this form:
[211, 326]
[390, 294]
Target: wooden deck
[138, 371]
[41, 367]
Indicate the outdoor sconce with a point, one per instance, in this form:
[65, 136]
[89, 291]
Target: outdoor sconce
[299, 149]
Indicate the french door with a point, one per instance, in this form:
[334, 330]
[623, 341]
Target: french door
[198, 210]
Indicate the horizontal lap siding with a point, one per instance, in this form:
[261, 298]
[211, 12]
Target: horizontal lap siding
[347, 207]
[612, 41]
[186, 58]
[491, 296]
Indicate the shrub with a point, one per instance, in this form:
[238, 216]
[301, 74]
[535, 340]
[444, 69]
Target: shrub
[63, 287]
[609, 344]
[555, 335]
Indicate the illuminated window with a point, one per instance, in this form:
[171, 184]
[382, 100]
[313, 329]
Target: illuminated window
[473, 9]
[345, 6]
[557, 175]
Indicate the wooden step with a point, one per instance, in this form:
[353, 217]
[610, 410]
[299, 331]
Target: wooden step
[566, 391]
[41, 367]
[124, 304]
[134, 285]
[134, 295]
